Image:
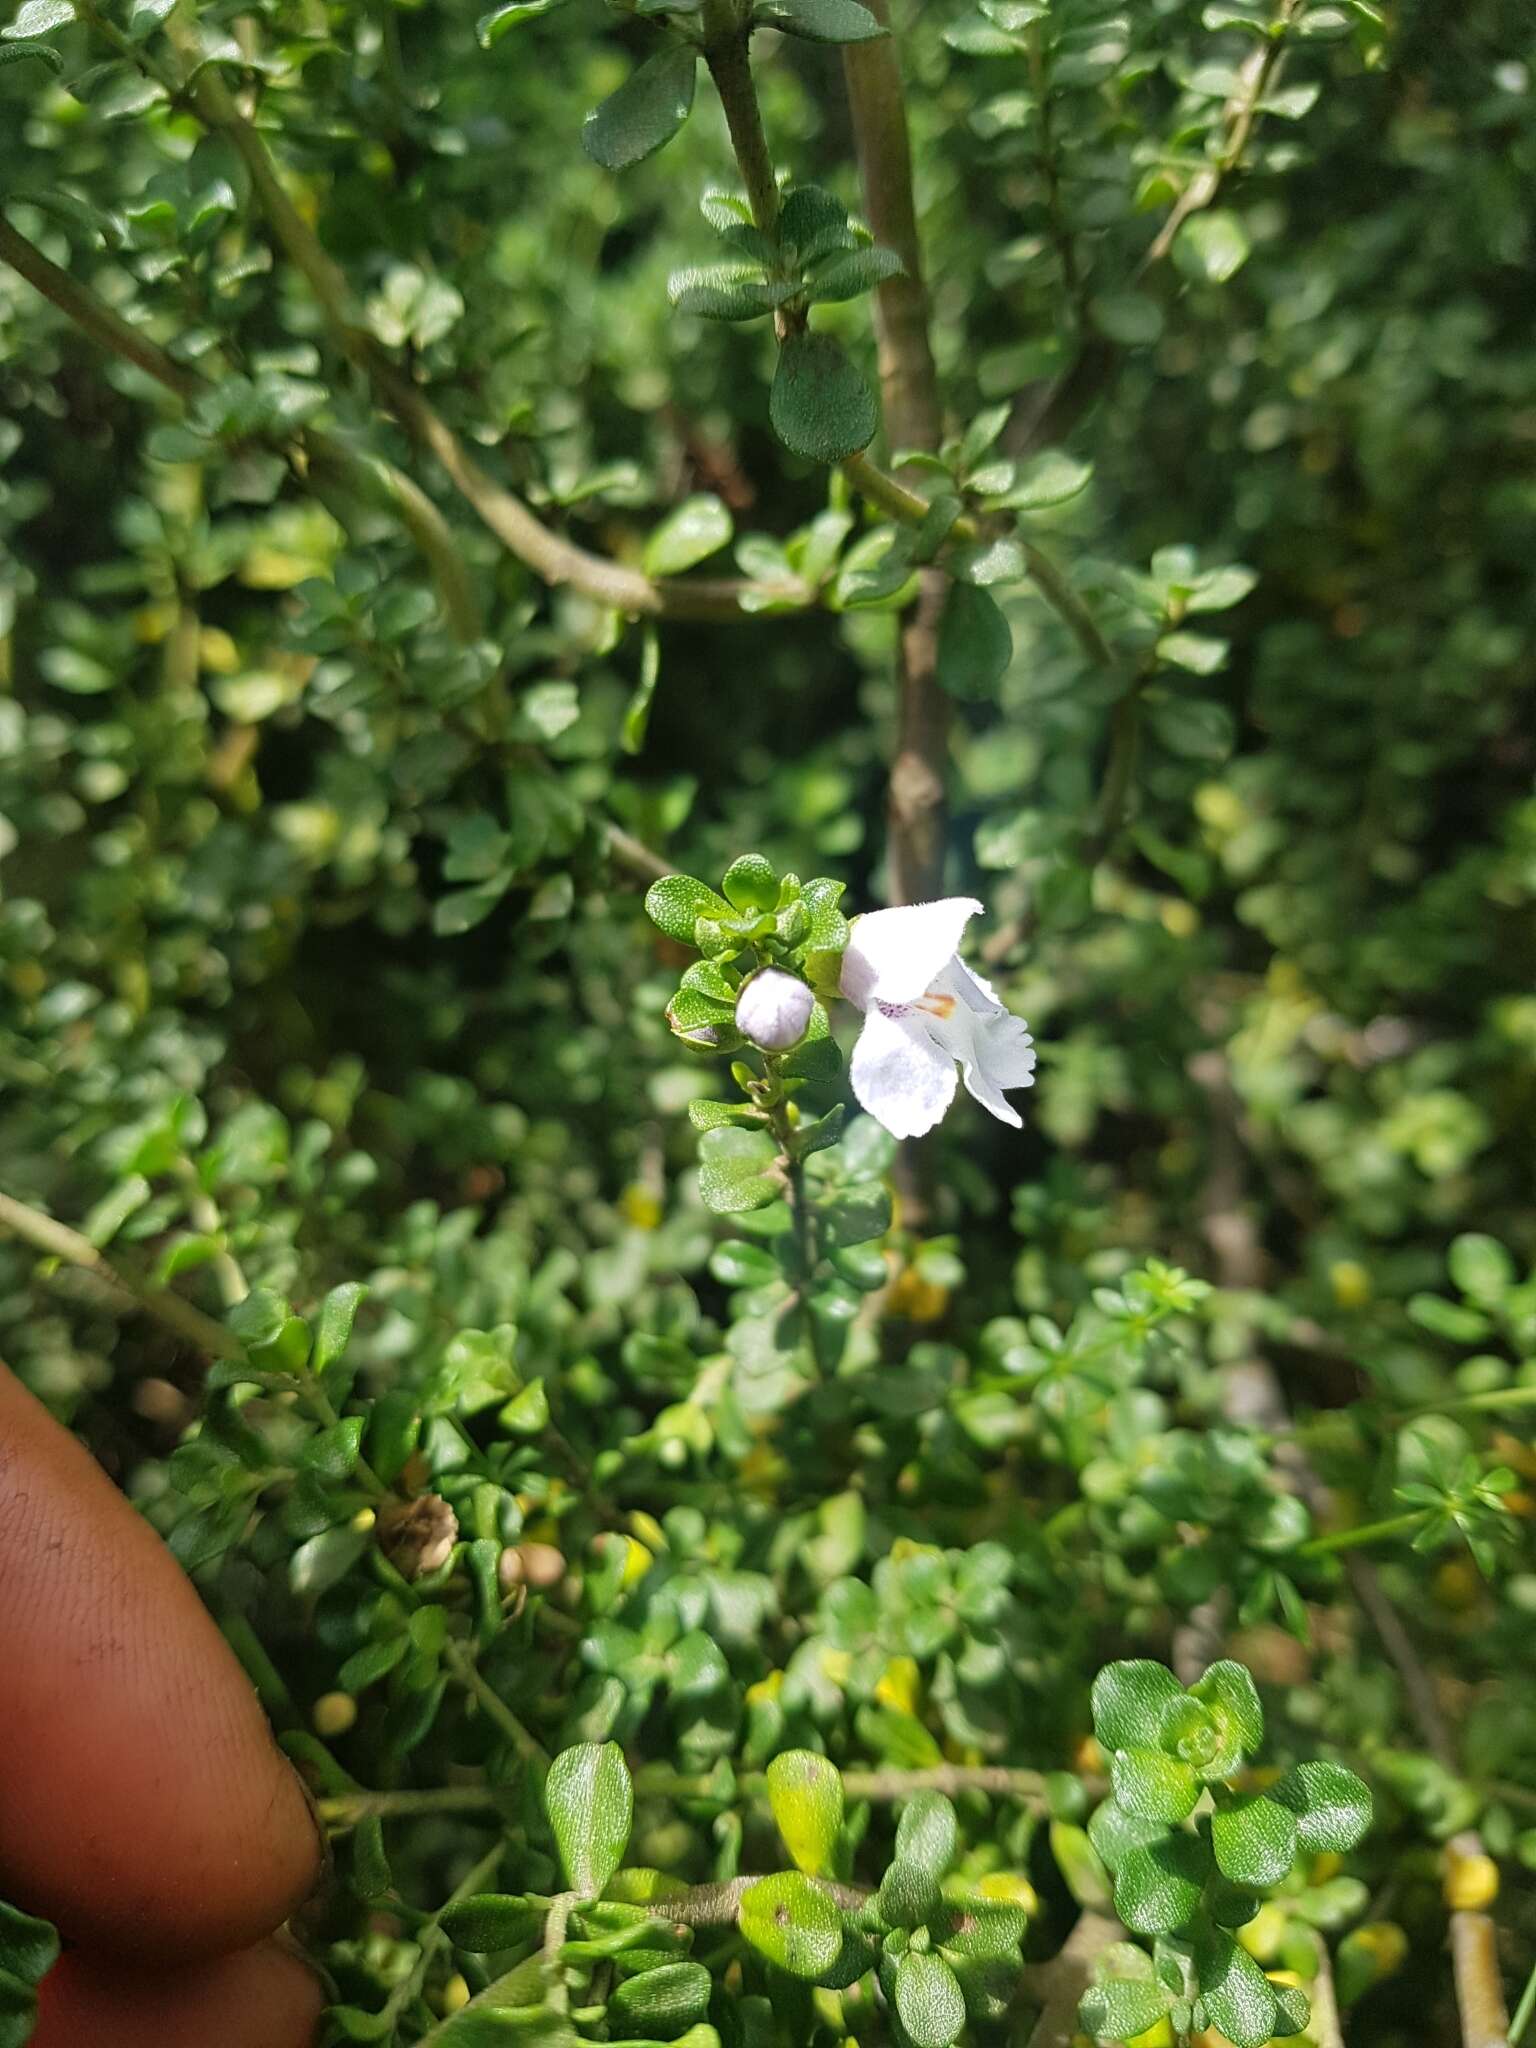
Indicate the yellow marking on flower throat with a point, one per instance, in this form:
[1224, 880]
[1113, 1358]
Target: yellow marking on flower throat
[936, 1005]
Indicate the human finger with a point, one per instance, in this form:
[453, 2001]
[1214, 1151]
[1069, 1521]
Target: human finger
[260, 1998]
[143, 1801]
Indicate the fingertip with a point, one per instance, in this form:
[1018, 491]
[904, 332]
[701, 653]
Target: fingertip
[143, 1802]
[263, 1997]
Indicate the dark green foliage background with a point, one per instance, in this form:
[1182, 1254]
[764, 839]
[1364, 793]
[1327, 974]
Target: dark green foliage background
[1287, 1021]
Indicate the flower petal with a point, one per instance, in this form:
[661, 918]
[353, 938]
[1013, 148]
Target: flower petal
[895, 956]
[900, 1076]
[993, 1046]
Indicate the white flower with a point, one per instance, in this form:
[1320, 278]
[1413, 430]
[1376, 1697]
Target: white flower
[774, 1009]
[924, 1010]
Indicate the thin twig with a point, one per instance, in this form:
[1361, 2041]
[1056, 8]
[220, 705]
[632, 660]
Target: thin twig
[1254, 79]
[1324, 2028]
[634, 854]
[1049, 417]
[879, 1787]
[346, 1809]
[727, 36]
[718, 1905]
[57, 1240]
[462, 1663]
[1061, 1982]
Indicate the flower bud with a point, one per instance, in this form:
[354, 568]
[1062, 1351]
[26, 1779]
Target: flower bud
[333, 1714]
[774, 1009]
[418, 1536]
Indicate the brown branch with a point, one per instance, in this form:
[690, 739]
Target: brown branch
[371, 473]
[909, 382]
[93, 316]
[554, 559]
[1479, 1988]
[1324, 2028]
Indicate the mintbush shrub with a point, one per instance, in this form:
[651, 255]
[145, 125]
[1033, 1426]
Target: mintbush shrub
[771, 1502]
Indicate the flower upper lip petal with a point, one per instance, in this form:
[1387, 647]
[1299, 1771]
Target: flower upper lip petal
[894, 956]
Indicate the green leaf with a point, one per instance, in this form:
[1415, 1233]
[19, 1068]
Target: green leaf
[1114, 1833]
[677, 902]
[1332, 1806]
[324, 1561]
[699, 1020]
[1158, 1888]
[1213, 245]
[856, 1215]
[793, 1923]
[659, 2002]
[975, 644]
[1254, 1840]
[908, 1895]
[751, 884]
[988, 1931]
[1152, 1785]
[1049, 478]
[1481, 1267]
[735, 1170]
[1117, 2010]
[490, 28]
[333, 1452]
[846, 274]
[819, 21]
[1129, 318]
[637, 714]
[371, 1876]
[929, 2002]
[372, 1662]
[820, 406]
[590, 1803]
[706, 1115]
[805, 1792]
[462, 909]
[104, 1219]
[41, 17]
[727, 291]
[698, 527]
[548, 709]
[645, 113]
[1129, 1700]
[928, 1833]
[820, 1133]
[333, 1325]
[29, 1948]
[1195, 729]
[1294, 2010]
[1232, 1698]
[1239, 1999]
[46, 55]
[1201, 653]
